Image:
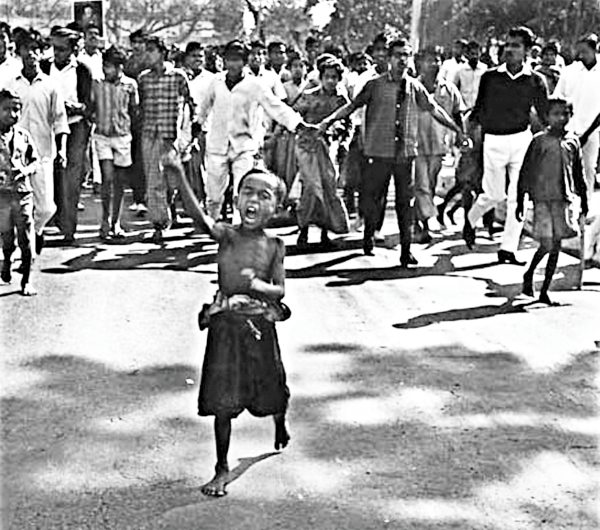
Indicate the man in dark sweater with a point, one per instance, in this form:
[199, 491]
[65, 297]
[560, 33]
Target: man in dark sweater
[503, 109]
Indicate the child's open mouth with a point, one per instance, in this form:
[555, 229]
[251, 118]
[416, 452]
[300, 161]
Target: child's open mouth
[251, 213]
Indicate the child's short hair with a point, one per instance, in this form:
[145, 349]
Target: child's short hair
[280, 188]
[115, 56]
[549, 48]
[555, 101]
[6, 94]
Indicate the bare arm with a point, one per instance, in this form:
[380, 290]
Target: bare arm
[196, 211]
[341, 114]
[441, 116]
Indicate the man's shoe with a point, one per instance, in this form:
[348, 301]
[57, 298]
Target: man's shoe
[379, 237]
[528, 284]
[407, 259]
[508, 257]
[469, 234]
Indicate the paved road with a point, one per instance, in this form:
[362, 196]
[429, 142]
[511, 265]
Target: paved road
[435, 398]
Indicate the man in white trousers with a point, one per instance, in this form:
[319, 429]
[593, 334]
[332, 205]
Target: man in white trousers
[504, 101]
[234, 99]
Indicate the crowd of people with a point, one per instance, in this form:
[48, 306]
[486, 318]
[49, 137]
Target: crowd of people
[239, 132]
[335, 126]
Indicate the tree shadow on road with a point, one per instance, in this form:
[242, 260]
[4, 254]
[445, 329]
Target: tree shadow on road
[429, 439]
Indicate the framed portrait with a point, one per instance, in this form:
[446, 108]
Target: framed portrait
[89, 12]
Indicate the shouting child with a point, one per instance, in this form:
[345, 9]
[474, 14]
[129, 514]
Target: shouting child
[242, 367]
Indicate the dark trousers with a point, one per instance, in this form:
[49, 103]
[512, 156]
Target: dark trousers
[376, 176]
[137, 178]
[16, 210]
[68, 181]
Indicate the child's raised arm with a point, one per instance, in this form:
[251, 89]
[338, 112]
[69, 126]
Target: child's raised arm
[196, 211]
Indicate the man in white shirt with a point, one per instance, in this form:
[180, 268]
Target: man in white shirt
[44, 116]
[235, 99]
[9, 66]
[450, 66]
[74, 81]
[91, 54]
[196, 168]
[468, 75]
[580, 83]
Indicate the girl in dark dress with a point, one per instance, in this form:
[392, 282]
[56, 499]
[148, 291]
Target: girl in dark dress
[242, 366]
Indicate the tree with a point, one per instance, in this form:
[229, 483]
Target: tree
[354, 23]
[180, 18]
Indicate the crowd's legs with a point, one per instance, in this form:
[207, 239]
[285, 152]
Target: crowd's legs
[20, 210]
[160, 184]
[218, 168]
[137, 179]
[68, 181]
[427, 169]
[502, 156]
[374, 190]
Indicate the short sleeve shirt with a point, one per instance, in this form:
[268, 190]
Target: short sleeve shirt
[392, 115]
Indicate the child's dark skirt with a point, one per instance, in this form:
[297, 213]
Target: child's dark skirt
[242, 368]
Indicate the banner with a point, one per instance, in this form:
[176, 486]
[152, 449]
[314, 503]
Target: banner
[89, 13]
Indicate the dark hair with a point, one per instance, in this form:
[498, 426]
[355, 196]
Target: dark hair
[525, 34]
[311, 41]
[192, 47]
[92, 27]
[555, 101]
[71, 36]
[236, 47]
[473, 45]
[295, 56]
[398, 43]
[324, 57]
[159, 44]
[276, 45]
[24, 38]
[138, 34]
[8, 94]
[5, 29]
[115, 56]
[462, 42]
[257, 45]
[381, 38]
[591, 39]
[551, 47]
[280, 188]
[331, 64]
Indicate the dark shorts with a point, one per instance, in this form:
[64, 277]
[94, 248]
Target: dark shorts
[240, 371]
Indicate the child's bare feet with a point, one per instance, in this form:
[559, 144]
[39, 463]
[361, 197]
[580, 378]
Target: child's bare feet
[282, 437]
[28, 290]
[216, 487]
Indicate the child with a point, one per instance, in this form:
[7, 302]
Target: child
[115, 100]
[319, 202]
[242, 366]
[18, 161]
[552, 175]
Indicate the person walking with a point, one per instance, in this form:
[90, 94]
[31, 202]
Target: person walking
[506, 95]
[392, 102]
